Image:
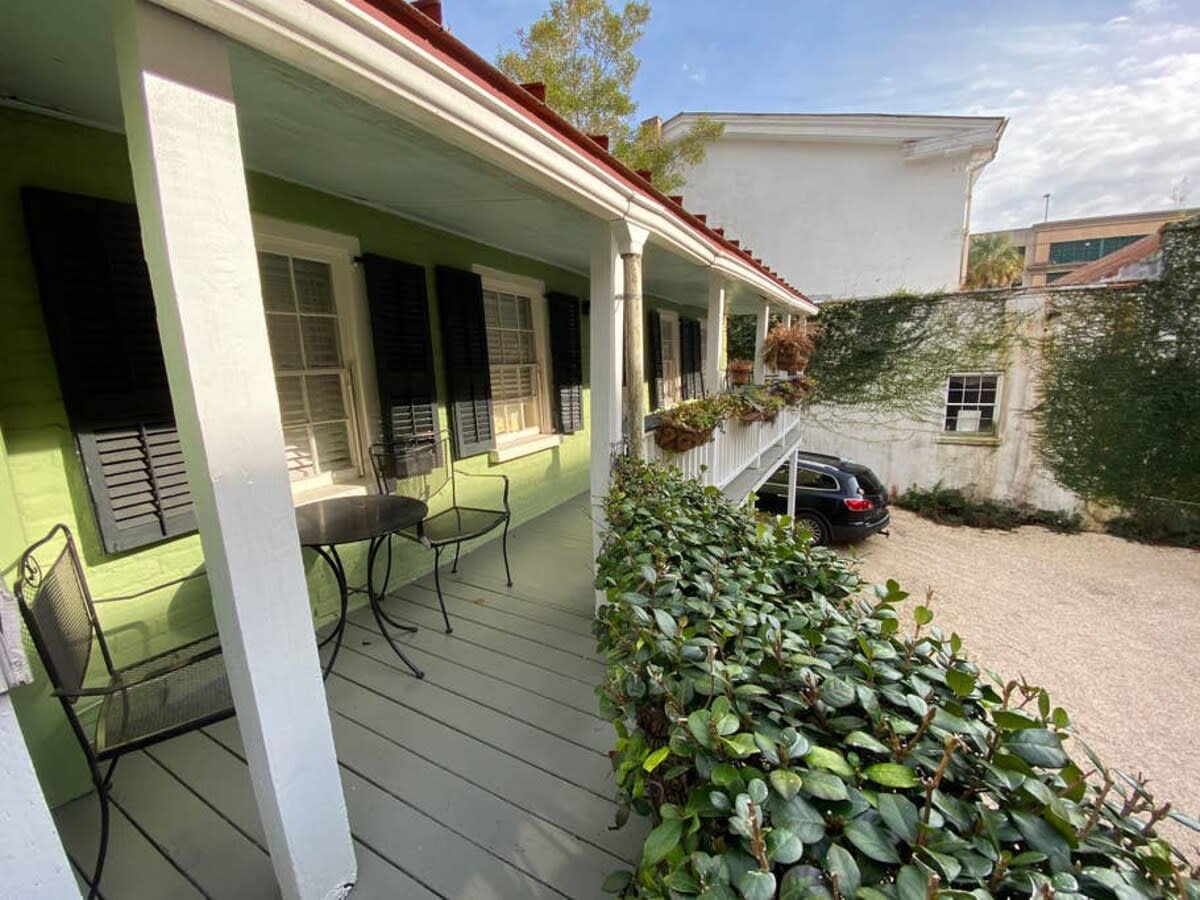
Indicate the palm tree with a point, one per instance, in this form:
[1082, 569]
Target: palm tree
[993, 262]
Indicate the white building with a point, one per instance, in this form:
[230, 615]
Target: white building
[846, 205]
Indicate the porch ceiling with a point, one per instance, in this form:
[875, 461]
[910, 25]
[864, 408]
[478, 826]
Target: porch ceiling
[58, 56]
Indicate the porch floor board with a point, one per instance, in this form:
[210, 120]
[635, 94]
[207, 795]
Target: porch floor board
[487, 779]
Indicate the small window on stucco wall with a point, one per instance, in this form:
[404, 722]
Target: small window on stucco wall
[971, 403]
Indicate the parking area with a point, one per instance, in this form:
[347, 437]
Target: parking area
[1110, 627]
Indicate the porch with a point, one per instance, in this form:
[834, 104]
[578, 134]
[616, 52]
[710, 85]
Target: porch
[487, 779]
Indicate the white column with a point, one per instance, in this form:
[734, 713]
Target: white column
[787, 320]
[189, 178]
[760, 335]
[631, 240]
[606, 325]
[714, 374]
[792, 481]
[31, 854]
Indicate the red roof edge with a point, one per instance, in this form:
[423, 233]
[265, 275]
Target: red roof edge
[407, 21]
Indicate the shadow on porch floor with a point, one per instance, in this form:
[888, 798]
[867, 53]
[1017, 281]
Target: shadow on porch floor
[488, 779]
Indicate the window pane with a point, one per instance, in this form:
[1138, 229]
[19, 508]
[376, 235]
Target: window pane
[284, 335]
[325, 399]
[291, 400]
[298, 450]
[276, 278]
[333, 446]
[314, 286]
[320, 342]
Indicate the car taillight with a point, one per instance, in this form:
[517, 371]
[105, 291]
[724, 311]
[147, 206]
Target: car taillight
[858, 504]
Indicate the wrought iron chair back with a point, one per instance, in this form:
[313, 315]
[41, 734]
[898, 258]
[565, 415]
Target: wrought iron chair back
[60, 613]
[138, 705]
[425, 472]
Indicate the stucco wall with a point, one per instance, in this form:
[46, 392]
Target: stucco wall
[47, 480]
[838, 219]
[907, 451]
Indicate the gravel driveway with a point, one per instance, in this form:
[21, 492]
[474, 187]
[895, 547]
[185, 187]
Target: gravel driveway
[1111, 628]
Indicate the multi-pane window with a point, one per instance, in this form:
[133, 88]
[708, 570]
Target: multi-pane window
[971, 403]
[1089, 249]
[310, 374]
[513, 360]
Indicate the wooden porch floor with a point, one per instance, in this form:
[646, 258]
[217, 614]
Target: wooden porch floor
[488, 779]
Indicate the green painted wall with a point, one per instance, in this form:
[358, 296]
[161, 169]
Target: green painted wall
[38, 462]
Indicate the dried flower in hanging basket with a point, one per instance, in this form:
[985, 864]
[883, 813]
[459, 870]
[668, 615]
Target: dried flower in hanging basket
[788, 347]
[740, 371]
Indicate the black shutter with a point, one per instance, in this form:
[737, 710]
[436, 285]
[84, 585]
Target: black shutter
[464, 341]
[103, 330]
[654, 345]
[690, 359]
[404, 366]
[566, 352]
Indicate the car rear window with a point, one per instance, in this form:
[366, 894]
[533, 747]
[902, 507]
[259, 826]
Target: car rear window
[805, 478]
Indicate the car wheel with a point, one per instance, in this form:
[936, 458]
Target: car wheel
[820, 534]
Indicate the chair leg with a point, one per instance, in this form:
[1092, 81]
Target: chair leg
[102, 792]
[457, 548]
[437, 581]
[504, 545]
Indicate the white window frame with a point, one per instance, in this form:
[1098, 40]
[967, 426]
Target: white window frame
[340, 252]
[508, 446]
[670, 319]
[997, 407]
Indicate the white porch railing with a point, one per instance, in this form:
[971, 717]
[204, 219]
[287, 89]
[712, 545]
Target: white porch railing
[738, 447]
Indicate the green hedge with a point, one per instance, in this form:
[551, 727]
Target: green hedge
[788, 737]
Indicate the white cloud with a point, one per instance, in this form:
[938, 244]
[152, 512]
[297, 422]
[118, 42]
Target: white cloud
[1110, 123]
[693, 74]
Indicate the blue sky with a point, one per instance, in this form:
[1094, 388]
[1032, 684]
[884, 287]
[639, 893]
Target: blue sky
[1103, 97]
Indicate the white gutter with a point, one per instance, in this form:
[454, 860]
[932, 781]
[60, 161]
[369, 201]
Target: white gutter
[351, 50]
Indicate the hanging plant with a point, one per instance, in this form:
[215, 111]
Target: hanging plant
[788, 347]
[740, 371]
[691, 424]
[756, 404]
[794, 391]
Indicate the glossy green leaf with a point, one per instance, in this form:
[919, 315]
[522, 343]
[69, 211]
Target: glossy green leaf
[893, 775]
[654, 760]
[900, 814]
[871, 841]
[825, 785]
[962, 683]
[824, 758]
[757, 885]
[785, 782]
[1038, 747]
[661, 841]
[840, 862]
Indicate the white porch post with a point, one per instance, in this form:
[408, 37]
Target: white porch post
[631, 239]
[793, 478]
[714, 375]
[189, 178]
[787, 320]
[760, 335]
[606, 341]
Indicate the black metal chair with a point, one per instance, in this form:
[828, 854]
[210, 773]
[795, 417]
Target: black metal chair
[135, 706]
[424, 470]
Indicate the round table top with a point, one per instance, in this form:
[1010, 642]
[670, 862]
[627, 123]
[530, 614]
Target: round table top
[347, 520]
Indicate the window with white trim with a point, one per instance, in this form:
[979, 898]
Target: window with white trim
[971, 403]
[311, 375]
[516, 331]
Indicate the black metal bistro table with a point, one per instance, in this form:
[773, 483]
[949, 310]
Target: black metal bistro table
[326, 524]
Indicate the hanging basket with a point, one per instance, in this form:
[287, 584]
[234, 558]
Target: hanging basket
[677, 439]
[790, 361]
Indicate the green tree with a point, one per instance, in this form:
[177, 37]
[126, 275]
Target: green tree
[993, 262]
[583, 51]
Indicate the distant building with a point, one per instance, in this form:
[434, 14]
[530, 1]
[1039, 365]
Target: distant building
[845, 205]
[1054, 250]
